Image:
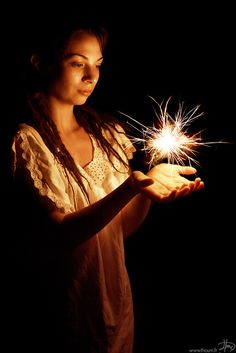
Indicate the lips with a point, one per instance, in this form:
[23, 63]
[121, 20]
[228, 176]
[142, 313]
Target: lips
[85, 92]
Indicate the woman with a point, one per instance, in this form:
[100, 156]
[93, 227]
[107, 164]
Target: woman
[81, 199]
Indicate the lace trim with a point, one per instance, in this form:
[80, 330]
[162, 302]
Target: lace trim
[37, 176]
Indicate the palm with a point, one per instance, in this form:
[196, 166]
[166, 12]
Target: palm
[168, 183]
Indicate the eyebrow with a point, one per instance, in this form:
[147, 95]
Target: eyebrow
[80, 55]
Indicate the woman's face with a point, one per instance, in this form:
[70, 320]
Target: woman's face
[78, 71]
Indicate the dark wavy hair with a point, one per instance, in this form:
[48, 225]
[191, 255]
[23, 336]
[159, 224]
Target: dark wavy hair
[50, 52]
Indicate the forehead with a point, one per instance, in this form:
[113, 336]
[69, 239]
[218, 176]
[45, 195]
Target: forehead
[84, 44]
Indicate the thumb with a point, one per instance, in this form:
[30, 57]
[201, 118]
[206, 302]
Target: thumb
[187, 170]
[141, 180]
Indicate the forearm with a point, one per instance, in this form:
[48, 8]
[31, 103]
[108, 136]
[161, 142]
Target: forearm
[134, 214]
[95, 217]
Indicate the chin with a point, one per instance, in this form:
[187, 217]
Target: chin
[80, 101]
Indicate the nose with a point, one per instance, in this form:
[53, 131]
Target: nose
[91, 76]
[90, 80]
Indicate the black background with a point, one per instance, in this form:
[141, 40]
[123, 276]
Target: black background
[182, 260]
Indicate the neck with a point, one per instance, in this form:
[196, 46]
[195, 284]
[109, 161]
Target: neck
[63, 116]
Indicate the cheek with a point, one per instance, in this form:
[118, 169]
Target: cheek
[68, 81]
[69, 76]
[60, 88]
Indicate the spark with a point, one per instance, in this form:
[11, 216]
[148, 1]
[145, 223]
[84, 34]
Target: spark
[169, 138]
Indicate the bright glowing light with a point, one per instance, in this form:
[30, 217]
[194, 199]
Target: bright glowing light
[168, 138]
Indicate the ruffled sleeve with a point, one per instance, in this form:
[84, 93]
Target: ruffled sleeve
[125, 142]
[47, 176]
[127, 148]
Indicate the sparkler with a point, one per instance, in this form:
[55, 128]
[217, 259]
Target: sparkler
[168, 138]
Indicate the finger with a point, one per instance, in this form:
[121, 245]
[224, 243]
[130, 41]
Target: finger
[186, 170]
[198, 184]
[176, 194]
[164, 199]
[195, 186]
[201, 185]
[183, 192]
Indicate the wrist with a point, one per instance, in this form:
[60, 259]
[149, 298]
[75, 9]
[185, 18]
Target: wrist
[131, 184]
[138, 180]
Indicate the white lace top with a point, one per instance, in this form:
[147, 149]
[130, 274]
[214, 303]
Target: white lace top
[97, 266]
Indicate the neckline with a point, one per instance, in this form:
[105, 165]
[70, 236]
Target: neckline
[93, 154]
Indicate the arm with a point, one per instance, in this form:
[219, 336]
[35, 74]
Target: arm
[133, 197]
[168, 185]
[88, 220]
[96, 216]
[134, 214]
[162, 184]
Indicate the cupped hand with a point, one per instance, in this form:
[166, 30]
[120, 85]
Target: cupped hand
[166, 182]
